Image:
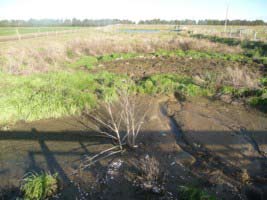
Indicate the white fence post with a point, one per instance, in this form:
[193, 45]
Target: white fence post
[255, 35]
[18, 34]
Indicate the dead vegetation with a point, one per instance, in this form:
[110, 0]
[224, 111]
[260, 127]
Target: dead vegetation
[41, 55]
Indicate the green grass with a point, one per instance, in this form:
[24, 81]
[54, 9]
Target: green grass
[52, 95]
[253, 49]
[169, 83]
[115, 56]
[193, 193]
[39, 186]
[11, 31]
[208, 55]
[59, 94]
[88, 62]
[254, 97]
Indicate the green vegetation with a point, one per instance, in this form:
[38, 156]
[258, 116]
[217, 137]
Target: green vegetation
[59, 94]
[208, 55]
[254, 97]
[115, 56]
[90, 62]
[39, 186]
[193, 193]
[52, 95]
[86, 61]
[253, 49]
[168, 83]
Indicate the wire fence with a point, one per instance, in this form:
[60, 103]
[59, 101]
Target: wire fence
[18, 36]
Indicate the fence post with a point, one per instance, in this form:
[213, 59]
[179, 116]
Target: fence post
[18, 34]
[255, 35]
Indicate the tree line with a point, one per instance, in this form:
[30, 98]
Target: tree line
[104, 22]
[66, 22]
[204, 22]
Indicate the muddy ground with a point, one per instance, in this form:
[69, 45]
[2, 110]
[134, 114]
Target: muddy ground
[218, 147]
[221, 148]
[142, 67]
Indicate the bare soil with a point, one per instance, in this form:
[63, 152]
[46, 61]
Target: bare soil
[142, 67]
[215, 146]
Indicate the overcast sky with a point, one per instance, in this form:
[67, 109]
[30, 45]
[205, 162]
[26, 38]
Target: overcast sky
[133, 9]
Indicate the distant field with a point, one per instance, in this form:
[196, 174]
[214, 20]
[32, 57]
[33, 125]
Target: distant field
[12, 31]
[245, 32]
[242, 32]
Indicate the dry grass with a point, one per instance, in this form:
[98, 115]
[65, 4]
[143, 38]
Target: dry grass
[50, 53]
[241, 78]
[150, 169]
[236, 77]
[151, 178]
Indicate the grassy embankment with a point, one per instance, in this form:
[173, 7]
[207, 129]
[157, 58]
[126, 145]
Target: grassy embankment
[61, 93]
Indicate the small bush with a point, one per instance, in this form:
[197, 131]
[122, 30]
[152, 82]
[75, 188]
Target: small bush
[193, 193]
[39, 186]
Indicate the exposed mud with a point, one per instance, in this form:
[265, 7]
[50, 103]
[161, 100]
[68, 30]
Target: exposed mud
[219, 147]
[60, 145]
[142, 67]
[229, 144]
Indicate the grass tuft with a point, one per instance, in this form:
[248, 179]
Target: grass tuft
[193, 193]
[39, 186]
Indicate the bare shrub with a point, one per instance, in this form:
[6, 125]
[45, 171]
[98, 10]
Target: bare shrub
[120, 121]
